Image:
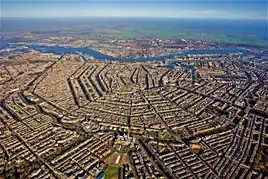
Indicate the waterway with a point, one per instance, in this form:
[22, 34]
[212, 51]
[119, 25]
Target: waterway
[101, 56]
[100, 176]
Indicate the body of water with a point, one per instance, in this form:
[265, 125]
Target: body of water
[101, 56]
[100, 176]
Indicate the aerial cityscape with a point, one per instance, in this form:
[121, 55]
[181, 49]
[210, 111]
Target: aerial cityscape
[117, 89]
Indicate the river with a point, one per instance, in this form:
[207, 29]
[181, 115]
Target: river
[98, 55]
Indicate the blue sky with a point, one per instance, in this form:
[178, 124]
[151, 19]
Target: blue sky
[225, 9]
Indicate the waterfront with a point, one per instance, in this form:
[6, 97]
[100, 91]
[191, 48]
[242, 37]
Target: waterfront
[98, 55]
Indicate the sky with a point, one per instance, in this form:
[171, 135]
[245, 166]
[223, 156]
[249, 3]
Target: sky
[210, 9]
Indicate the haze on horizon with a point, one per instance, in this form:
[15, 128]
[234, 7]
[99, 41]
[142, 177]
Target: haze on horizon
[219, 9]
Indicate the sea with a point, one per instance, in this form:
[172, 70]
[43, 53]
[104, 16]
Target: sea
[230, 27]
[18, 25]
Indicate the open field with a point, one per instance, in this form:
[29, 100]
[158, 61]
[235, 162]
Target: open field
[170, 29]
[230, 31]
[111, 172]
[111, 159]
[166, 33]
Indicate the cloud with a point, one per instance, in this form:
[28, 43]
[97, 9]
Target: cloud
[138, 8]
[211, 12]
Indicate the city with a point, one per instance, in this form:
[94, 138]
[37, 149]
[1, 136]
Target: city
[75, 117]
[133, 89]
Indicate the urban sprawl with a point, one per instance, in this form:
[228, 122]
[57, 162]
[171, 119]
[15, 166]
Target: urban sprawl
[73, 116]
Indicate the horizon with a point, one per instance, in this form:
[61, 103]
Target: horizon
[140, 17]
[193, 9]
